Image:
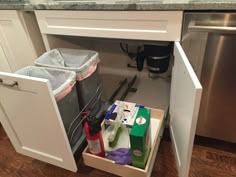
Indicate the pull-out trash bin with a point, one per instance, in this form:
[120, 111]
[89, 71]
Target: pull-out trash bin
[85, 64]
[64, 90]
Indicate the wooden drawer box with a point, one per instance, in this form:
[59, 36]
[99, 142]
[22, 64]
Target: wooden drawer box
[141, 25]
[157, 127]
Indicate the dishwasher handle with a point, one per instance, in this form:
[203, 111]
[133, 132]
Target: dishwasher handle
[192, 27]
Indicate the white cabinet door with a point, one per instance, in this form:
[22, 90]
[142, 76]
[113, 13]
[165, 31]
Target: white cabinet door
[184, 105]
[14, 40]
[4, 66]
[29, 115]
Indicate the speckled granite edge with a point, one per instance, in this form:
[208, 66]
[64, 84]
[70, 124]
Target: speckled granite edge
[123, 6]
[14, 6]
[153, 6]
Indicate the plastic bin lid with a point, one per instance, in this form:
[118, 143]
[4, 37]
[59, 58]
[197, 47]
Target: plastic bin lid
[83, 62]
[71, 59]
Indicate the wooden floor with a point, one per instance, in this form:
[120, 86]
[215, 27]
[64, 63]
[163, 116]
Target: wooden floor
[217, 159]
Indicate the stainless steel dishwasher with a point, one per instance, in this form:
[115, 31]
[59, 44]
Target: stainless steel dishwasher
[209, 40]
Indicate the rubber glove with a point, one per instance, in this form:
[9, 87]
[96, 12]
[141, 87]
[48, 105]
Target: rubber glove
[121, 156]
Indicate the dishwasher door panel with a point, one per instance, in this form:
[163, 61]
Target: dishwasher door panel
[217, 117]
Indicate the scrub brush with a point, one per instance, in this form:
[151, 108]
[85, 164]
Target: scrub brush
[114, 136]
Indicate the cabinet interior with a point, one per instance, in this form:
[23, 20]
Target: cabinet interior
[151, 91]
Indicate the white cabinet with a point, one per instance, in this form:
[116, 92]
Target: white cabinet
[185, 100]
[38, 131]
[4, 65]
[20, 40]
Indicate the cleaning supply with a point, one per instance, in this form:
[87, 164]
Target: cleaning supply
[140, 138]
[121, 156]
[114, 135]
[122, 140]
[92, 129]
[113, 138]
[130, 112]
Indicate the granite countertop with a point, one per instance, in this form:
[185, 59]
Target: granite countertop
[12, 4]
[119, 4]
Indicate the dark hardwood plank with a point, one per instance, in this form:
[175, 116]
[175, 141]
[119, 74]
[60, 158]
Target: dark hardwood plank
[212, 162]
[216, 144]
[207, 161]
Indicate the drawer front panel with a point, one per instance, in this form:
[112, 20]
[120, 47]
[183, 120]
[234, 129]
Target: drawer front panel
[31, 119]
[142, 25]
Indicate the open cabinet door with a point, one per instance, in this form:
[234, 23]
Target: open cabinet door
[184, 106]
[30, 117]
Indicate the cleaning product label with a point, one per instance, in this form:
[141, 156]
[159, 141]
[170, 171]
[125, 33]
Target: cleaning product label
[94, 146]
[129, 112]
[137, 153]
[140, 120]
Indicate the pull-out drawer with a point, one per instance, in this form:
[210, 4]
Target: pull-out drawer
[142, 25]
[157, 127]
